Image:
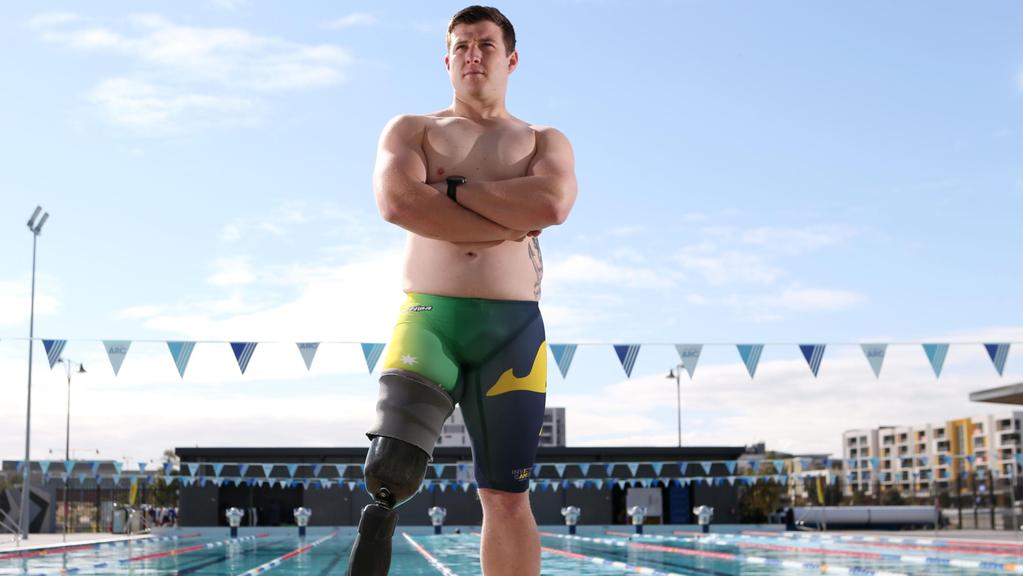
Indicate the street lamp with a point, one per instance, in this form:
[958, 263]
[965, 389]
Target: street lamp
[35, 228]
[676, 373]
[67, 437]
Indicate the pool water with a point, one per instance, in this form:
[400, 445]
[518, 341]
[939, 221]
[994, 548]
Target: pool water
[597, 551]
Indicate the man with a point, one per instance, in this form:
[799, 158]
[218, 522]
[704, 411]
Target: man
[474, 187]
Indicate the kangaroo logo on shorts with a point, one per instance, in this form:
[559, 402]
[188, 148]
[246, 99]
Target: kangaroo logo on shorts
[520, 475]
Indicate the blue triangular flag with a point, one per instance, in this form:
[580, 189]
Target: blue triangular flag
[291, 469]
[563, 354]
[243, 353]
[657, 466]
[875, 355]
[68, 466]
[438, 469]
[627, 354]
[633, 466]
[561, 470]
[242, 469]
[217, 468]
[754, 465]
[730, 466]
[116, 351]
[936, 354]
[372, 353]
[45, 465]
[998, 354]
[609, 469]
[118, 466]
[54, 348]
[316, 469]
[267, 468]
[181, 352]
[682, 467]
[340, 470]
[689, 355]
[585, 469]
[750, 354]
[706, 467]
[813, 353]
[308, 352]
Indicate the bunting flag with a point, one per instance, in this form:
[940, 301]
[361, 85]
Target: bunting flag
[308, 352]
[243, 353]
[68, 466]
[45, 466]
[998, 353]
[689, 355]
[116, 351]
[340, 470]
[750, 354]
[936, 354]
[372, 353]
[706, 467]
[563, 354]
[216, 469]
[181, 351]
[627, 354]
[585, 469]
[682, 467]
[54, 348]
[291, 470]
[560, 469]
[813, 353]
[267, 468]
[242, 469]
[875, 355]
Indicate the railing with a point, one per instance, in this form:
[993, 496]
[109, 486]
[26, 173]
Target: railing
[8, 524]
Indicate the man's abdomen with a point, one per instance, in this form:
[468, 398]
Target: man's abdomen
[502, 272]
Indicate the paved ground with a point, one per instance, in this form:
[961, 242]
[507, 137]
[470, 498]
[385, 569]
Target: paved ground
[8, 543]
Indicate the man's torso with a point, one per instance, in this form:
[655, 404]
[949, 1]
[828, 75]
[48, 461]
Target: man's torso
[479, 151]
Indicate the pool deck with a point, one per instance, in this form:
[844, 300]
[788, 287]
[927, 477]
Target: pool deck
[9, 543]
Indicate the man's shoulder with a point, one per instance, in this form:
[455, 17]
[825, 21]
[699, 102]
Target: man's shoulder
[548, 133]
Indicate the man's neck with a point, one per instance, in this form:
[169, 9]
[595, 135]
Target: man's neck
[479, 109]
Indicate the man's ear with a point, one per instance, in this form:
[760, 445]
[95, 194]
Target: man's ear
[513, 61]
[447, 61]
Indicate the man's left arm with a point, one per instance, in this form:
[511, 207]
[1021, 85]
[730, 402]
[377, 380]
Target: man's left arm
[541, 198]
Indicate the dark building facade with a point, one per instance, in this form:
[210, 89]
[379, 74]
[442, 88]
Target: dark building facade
[591, 488]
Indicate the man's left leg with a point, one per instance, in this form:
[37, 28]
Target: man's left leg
[511, 543]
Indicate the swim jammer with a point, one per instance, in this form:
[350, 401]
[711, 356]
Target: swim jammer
[490, 356]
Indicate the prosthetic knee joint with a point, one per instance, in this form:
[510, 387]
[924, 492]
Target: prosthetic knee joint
[410, 413]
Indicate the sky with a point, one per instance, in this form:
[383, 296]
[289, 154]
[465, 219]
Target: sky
[749, 172]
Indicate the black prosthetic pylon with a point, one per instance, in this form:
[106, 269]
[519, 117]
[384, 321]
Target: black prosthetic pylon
[371, 553]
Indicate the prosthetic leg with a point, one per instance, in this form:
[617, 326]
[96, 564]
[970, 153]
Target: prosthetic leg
[410, 413]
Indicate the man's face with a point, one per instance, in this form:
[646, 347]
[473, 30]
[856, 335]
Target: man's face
[477, 61]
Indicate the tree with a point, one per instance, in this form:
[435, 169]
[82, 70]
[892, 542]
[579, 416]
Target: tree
[892, 498]
[759, 500]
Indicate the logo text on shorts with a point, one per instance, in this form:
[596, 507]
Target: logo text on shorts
[521, 474]
[419, 308]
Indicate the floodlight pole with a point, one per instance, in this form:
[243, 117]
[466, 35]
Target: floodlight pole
[35, 228]
[677, 375]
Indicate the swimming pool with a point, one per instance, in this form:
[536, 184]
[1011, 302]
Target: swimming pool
[596, 550]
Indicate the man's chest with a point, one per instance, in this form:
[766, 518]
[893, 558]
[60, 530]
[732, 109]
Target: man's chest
[476, 151]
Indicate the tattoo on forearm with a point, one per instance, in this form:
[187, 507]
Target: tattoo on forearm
[537, 259]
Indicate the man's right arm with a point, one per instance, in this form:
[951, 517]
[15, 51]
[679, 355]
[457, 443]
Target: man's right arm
[406, 200]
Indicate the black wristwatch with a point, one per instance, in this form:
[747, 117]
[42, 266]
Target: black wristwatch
[453, 183]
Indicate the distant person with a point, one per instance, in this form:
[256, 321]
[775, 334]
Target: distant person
[474, 187]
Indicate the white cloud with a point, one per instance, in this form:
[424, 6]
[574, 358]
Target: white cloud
[350, 21]
[586, 269]
[232, 272]
[721, 267]
[16, 301]
[796, 240]
[804, 299]
[139, 105]
[191, 76]
[227, 5]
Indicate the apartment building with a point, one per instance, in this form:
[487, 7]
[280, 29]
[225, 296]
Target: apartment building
[917, 460]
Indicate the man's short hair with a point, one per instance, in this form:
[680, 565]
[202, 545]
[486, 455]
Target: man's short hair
[474, 14]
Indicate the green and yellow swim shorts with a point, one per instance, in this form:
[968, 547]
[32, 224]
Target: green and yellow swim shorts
[490, 356]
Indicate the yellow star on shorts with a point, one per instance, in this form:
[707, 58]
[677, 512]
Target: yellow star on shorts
[408, 360]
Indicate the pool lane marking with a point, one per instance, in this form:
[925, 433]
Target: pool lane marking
[277, 561]
[121, 561]
[605, 562]
[78, 547]
[820, 567]
[986, 564]
[947, 544]
[223, 557]
[429, 558]
[905, 559]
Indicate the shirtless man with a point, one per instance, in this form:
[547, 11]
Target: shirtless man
[474, 187]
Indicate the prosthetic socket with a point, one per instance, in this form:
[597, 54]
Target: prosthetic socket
[410, 414]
